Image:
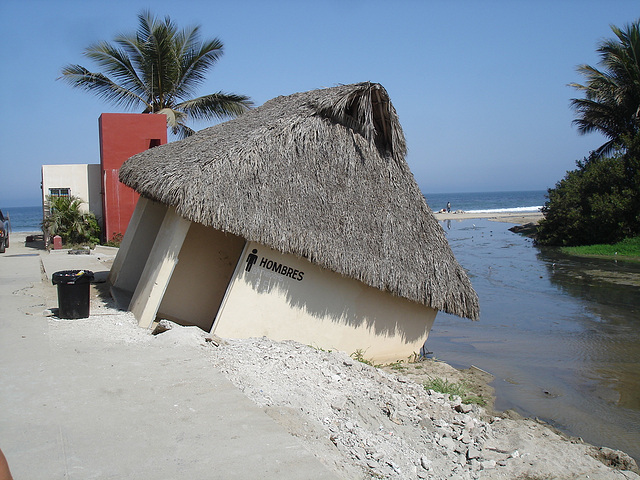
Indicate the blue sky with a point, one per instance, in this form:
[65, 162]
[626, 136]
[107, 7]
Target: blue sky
[480, 86]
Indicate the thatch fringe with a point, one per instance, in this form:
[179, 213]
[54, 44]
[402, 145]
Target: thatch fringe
[321, 175]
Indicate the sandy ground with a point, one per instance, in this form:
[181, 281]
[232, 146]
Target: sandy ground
[365, 422]
[100, 398]
[517, 218]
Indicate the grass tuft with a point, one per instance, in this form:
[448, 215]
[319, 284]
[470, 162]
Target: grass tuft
[460, 389]
[358, 355]
[627, 249]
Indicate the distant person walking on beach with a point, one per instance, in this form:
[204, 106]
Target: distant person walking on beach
[448, 207]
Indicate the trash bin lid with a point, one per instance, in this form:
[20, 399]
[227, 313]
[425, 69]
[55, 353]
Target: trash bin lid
[72, 277]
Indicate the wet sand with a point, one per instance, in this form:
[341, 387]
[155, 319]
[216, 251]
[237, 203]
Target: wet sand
[516, 217]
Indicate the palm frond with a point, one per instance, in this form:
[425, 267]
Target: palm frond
[102, 86]
[195, 62]
[611, 103]
[117, 64]
[217, 105]
[182, 131]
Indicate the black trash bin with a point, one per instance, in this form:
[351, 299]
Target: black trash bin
[73, 292]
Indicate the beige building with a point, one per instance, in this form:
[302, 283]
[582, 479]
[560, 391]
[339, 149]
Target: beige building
[79, 180]
[298, 220]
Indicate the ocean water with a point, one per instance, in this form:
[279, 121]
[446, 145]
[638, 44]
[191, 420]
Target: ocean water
[488, 202]
[24, 219]
[28, 219]
[560, 334]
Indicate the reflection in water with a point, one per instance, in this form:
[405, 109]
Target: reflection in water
[561, 334]
[612, 284]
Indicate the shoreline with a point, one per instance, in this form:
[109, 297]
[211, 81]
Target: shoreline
[504, 217]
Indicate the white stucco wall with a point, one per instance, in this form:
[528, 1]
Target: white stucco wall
[158, 268]
[135, 249]
[206, 262]
[318, 307]
[82, 180]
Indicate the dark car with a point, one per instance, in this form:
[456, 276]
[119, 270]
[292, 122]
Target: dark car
[4, 232]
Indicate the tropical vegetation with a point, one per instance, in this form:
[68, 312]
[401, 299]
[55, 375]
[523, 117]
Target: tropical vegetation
[611, 103]
[66, 218]
[156, 70]
[599, 202]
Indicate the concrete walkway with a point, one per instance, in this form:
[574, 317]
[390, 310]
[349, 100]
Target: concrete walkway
[78, 405]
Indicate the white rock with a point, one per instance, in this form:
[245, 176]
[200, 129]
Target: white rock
[488, 464]
[447, 443]
[339, 403]
[464, 408]
[473, 453]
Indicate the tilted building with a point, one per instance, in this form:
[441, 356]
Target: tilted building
[297, 220]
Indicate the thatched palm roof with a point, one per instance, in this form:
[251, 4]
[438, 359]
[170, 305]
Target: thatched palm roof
[321, 175]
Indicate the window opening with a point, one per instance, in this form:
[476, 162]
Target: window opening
[59, 192]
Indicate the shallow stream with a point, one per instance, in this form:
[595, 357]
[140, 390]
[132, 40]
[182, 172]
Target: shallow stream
[561, 334]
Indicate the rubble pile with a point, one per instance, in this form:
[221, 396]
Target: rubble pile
[367, 423]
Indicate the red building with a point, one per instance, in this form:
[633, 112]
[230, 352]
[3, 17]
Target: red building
[122, 135]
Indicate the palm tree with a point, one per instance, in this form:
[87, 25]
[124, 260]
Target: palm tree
[66, 218]
[157, 69]
[611, 103]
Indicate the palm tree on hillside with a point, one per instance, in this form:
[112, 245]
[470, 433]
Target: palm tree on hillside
[156, 69]
[611, 103]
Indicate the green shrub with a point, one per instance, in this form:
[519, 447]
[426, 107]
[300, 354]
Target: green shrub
[599, 202]
[66, 219]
